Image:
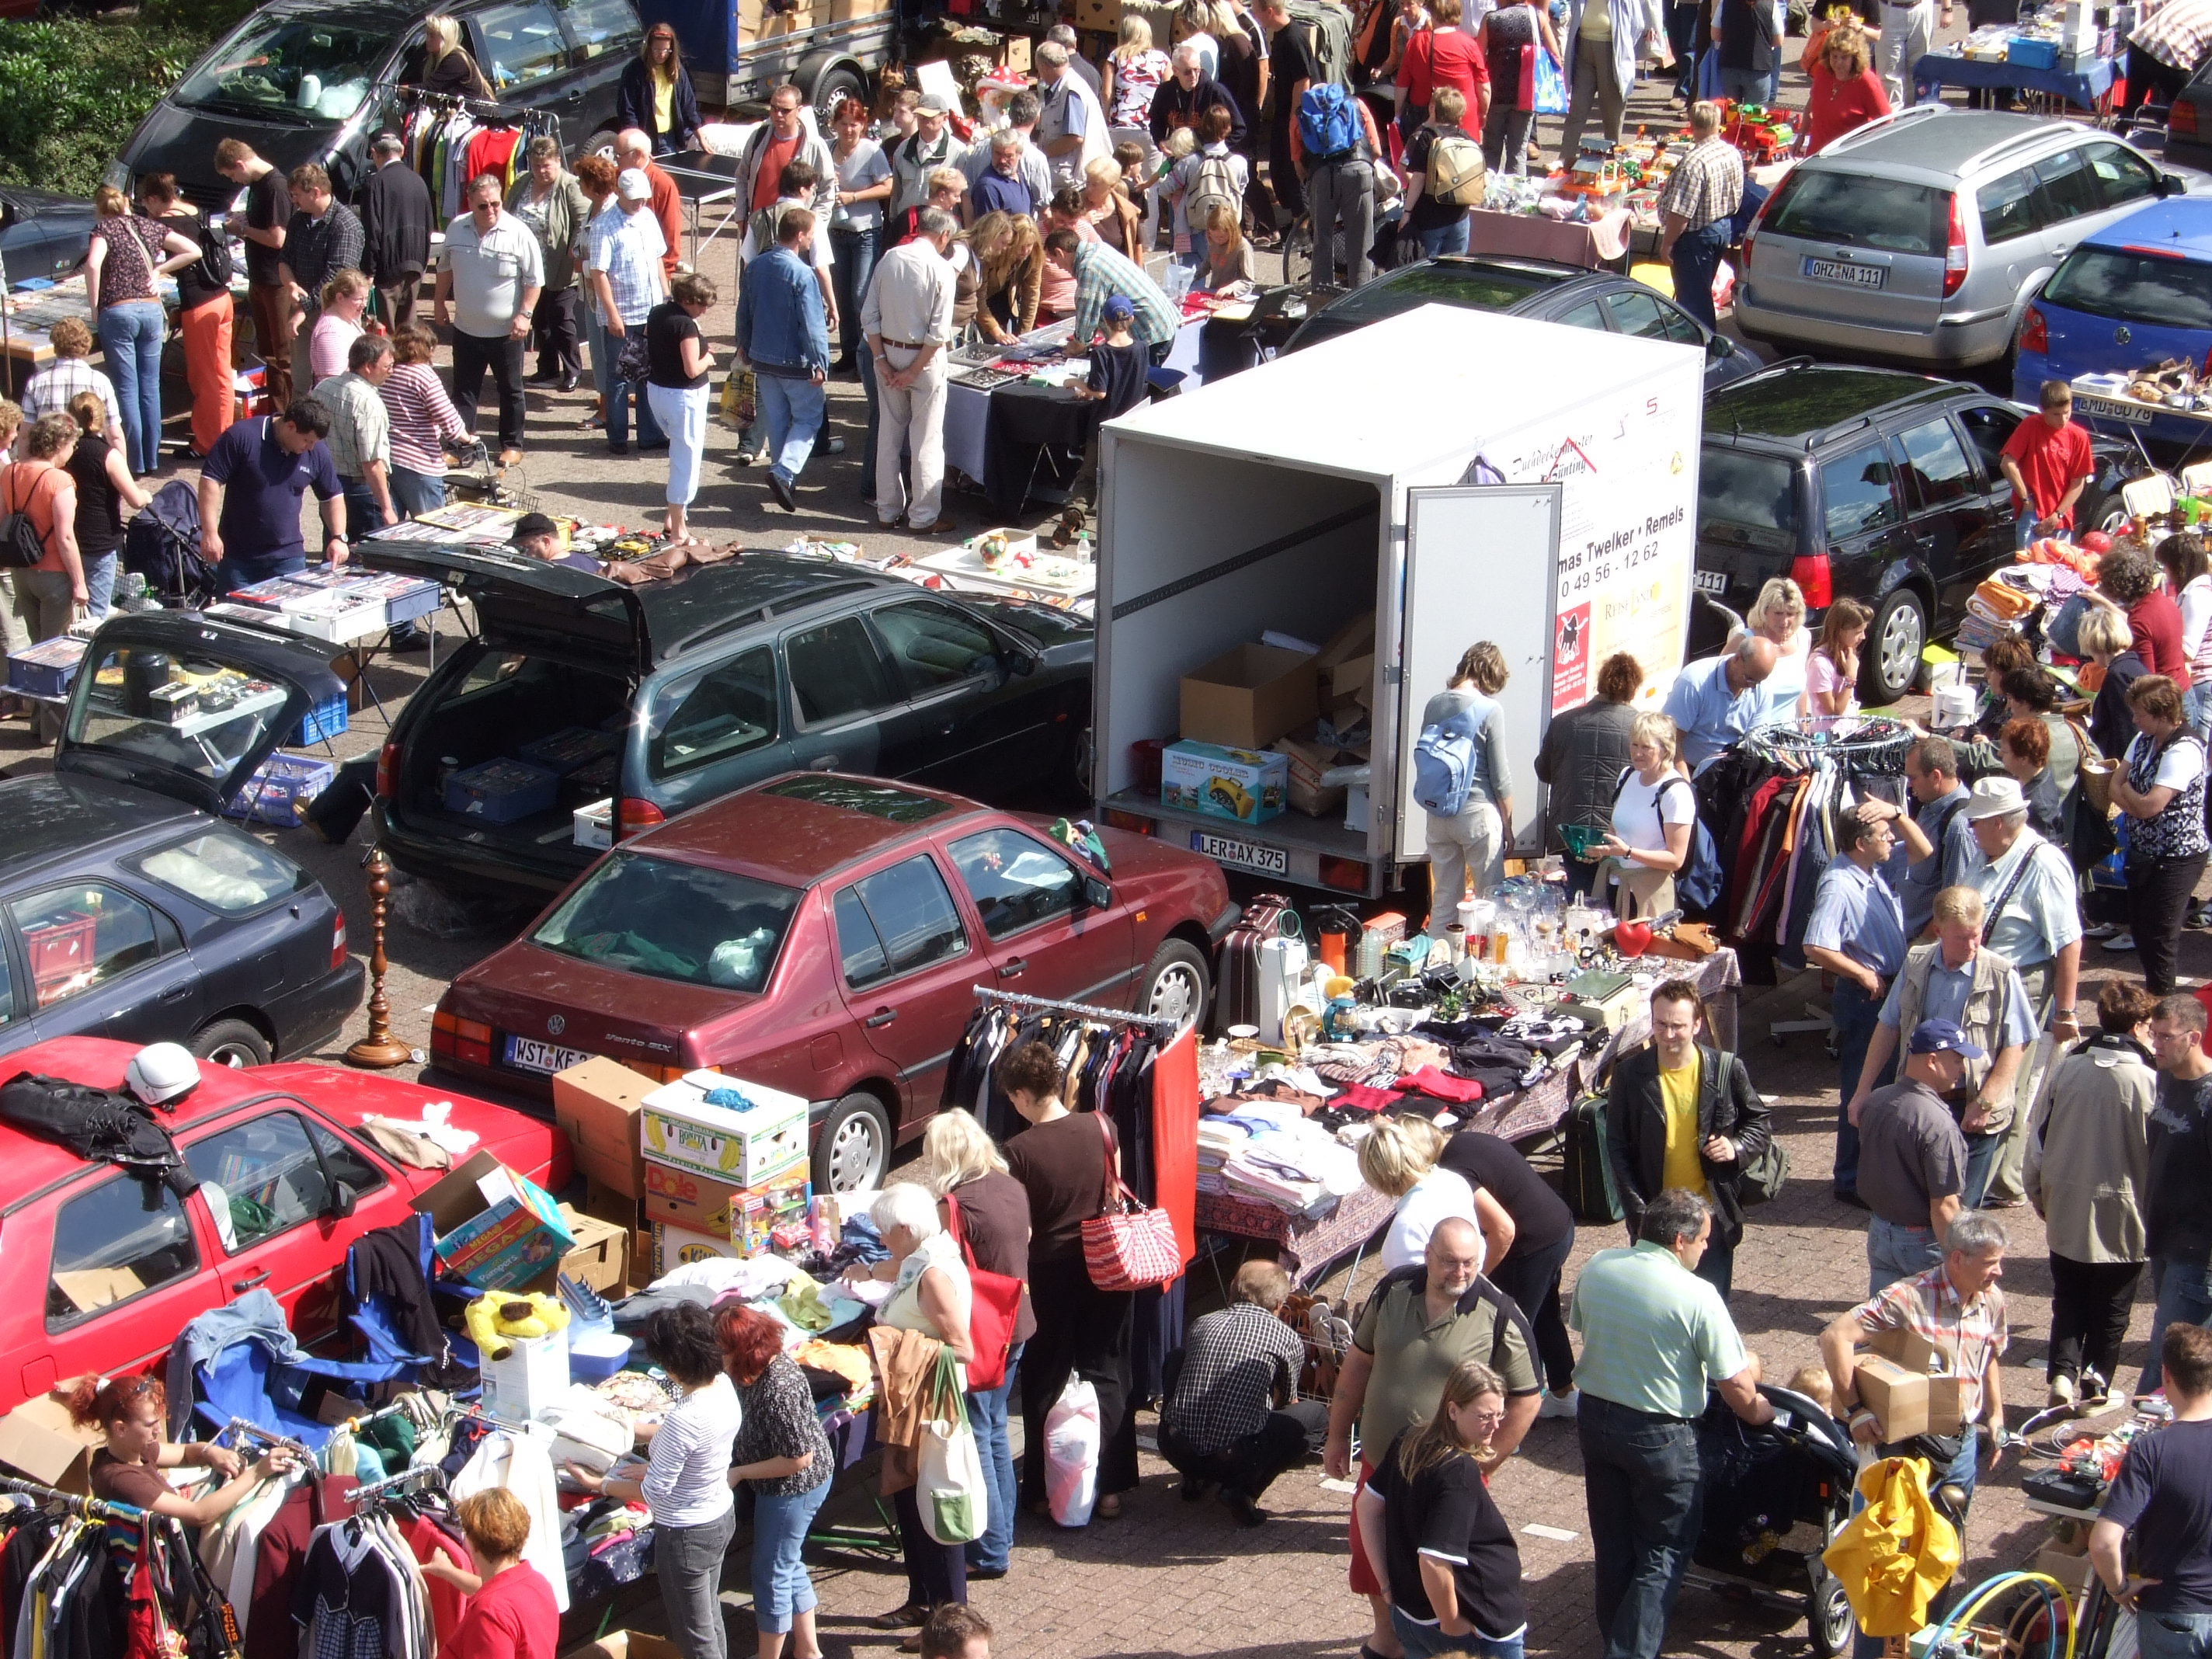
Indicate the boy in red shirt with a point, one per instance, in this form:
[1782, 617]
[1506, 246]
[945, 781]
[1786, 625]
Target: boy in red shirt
[2046, 461]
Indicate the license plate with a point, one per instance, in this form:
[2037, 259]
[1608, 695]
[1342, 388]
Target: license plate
[2125, 410]
[1710, 582]
[1842, 271]
[1244, 854]
[528, 1055]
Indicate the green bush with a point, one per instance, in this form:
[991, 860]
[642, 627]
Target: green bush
[77, 85]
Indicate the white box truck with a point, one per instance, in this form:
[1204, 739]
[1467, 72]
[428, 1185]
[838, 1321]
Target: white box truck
[1467, 477]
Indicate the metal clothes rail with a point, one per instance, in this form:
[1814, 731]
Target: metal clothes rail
[1159, 1023]
[100, 1509]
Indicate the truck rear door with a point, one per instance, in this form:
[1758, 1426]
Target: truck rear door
[1473, 552]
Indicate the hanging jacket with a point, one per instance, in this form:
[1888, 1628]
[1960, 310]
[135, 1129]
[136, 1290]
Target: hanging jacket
[256, 1316]
[279, 1553]
[521, 1463]
[1895, 1554]
[388, 1263]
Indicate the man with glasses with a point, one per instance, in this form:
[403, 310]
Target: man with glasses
[783, 138]
[2177, 1217]
[929, 147]
[488, 288]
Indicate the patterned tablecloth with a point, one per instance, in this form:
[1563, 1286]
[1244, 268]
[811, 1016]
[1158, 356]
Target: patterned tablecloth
[1307, 1243]
[1599, 242]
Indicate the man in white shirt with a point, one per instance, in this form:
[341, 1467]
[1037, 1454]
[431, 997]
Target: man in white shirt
[1070, 125]
[930, 145]
[624, 255]
[487, 287]
[908, 319]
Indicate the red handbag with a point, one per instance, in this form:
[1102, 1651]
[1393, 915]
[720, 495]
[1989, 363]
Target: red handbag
[1126, 1246]
[993, 1304]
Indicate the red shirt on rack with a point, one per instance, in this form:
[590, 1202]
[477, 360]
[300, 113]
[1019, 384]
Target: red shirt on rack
[511, 1617]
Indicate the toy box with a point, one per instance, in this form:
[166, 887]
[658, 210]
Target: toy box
[756, 1212]
[46, 669]
[1224, 783]
[738, 1146]
[501, 791]
[281, 789]
[493, 1227]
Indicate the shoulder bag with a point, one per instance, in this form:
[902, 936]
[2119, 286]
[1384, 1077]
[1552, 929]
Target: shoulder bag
[1126, 1246]
[21, 547]
[993, 1304]
[1761, 1178]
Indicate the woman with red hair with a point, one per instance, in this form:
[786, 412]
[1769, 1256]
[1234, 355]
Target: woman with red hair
[783, 1455]
[131, 1410]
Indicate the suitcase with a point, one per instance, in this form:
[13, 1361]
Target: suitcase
[1587, 1177]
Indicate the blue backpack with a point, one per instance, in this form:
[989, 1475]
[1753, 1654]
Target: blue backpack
[1697, 883]
[1328, 121]
[1443, 762]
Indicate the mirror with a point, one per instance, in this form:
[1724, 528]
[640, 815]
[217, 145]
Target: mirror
[2173, 183]
[343, 1201]
[1720, 346]
[1096, 893]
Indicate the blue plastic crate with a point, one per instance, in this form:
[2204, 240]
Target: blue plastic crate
[502, 791]
[47, 668]
[324, 720]
[2032, 54]
[280, 789]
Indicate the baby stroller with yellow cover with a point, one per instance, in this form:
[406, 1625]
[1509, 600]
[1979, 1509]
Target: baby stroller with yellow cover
[1775, 1496]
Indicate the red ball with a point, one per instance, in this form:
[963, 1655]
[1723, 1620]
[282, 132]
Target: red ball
[2096, 542]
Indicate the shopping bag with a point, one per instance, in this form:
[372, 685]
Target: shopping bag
[1126, 1246]
[949, 1476]
[992, 1307]
[1525, 97]
[1071, 1440]
[1547, 86]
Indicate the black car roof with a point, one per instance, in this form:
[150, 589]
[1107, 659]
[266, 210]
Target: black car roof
[53, 816]
[705, 602]
[1805, 403]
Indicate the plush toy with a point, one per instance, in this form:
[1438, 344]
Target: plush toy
[496, 1320]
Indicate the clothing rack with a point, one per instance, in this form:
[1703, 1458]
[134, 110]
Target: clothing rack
[1161, 1026]
[354, 1424]
[1871, 739]
[247, 1429]
[491, 111]
[98, 1509]
[428, 1474]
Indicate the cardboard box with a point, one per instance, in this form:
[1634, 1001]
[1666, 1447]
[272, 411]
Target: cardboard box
[1014, 53]
[679, 1128]
[1898, 1397]
[533, 1374]
[627, 1645]
[600, 1255]
[493, 1227]
[1345, 662]
[1226, 783]
[2064, 1565]
[1102, 17]
[672, 1246]
[38, 1440]
[1304, 788]
[611, 1204]
[1909, 1349]
[596, 1103]
[684, 1199]
[1946, 1407]
[1247, 697]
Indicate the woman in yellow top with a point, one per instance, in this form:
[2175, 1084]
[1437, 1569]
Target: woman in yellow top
[1682, 1114]
[656, 95]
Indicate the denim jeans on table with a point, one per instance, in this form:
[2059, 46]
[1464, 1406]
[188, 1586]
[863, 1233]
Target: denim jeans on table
[99, 583]
[130, 336]
[1695, 261]
[1854, 1014]
[987, 1415]
[1895, 1253]
[792, 411]
[781, 1589]
[1641, 1485]
[2173, 1634]
[2183, 1293]
[1427, 1641]
[416, 492]
[689, 1562]
[1444, 239]
[854, 254]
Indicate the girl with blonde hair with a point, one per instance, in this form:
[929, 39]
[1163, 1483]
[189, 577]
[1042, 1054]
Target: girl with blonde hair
[1009, 256]
[342, 320]
[1135, 71]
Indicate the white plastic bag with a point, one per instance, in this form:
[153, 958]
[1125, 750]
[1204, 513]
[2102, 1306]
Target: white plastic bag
[951, 1492]
[1071, 1440]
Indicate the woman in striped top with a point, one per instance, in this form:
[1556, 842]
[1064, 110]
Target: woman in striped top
[422, 416]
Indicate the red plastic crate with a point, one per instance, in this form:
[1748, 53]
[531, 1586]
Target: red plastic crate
[60, 952]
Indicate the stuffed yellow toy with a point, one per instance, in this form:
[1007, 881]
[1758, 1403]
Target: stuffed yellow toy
[496, 1319]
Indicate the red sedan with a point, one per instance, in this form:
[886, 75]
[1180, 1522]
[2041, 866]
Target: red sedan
[127, 1263]
[824, 934]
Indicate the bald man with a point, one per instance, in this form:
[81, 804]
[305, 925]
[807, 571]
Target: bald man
[634, 149]
[1716, 700]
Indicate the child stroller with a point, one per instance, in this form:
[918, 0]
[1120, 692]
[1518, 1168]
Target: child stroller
[1775, 1498]
[162, 544]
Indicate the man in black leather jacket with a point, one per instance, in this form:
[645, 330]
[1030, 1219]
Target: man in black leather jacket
[1682, 1114]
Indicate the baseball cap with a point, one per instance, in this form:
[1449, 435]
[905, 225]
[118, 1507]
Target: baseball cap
[632, 185]
[1995, 798]
[1117, 309]
[1943, 1037]
[936, 103]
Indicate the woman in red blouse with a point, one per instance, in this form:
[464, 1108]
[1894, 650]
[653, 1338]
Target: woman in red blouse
[511, 1614]
[1846, 93]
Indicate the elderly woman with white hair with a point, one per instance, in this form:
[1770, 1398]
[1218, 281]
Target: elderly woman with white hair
[931, 1294]
[987, 1211]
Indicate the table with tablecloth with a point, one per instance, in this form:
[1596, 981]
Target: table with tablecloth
[1592, 243]
[2092, 91]
[1309, 1243]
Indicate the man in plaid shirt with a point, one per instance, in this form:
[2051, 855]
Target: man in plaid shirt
[49, 390]
[1697, 208]
[1222, 1426]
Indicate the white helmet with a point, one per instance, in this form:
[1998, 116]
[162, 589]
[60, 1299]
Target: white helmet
[161, 1073]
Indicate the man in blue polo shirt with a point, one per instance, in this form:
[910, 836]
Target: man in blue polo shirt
[1857, 933]
[250, 491]
[1716, 700]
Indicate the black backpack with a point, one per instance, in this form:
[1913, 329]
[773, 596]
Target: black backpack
[215, 264]
[98, 1125]
[1587, 1180]
[21, 547]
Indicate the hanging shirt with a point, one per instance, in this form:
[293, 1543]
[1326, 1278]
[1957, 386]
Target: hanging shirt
[1678, 1095]
[522, 1465]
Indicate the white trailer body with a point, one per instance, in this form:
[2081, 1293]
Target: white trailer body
[1466, 475]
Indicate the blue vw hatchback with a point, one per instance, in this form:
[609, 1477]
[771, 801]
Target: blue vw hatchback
[2133, 295]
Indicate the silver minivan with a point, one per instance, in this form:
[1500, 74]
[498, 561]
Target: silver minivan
[1921, 235]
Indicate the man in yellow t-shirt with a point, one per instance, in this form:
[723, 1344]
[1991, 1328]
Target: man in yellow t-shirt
[1680, 1113]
